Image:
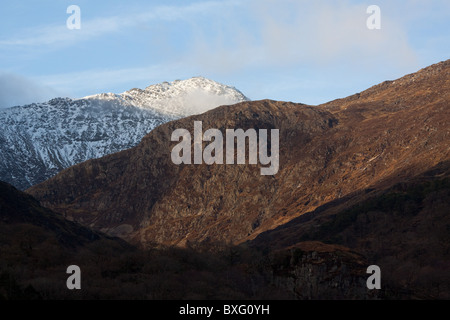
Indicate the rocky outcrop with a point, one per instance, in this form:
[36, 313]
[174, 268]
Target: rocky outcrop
[404, 230]
[314, 270]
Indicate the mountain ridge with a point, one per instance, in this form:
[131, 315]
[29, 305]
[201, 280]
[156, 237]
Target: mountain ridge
[187, 97]
[39, 140]
[327, 152]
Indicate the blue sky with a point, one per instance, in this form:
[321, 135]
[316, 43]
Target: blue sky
[302, 51]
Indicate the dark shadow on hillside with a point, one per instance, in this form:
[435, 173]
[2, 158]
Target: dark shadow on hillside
[404, 229]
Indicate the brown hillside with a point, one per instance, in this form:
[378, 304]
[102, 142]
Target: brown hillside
[372, 140]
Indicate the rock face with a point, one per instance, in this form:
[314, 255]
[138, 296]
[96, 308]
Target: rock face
[404, 230]
[313, 270]
[369, 141]
[39, 140]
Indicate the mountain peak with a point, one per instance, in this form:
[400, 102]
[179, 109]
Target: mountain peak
[39, 140]
[179, 97]
[192, 96]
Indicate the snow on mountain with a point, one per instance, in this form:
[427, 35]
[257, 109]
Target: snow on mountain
[41, 139]
[179, 98]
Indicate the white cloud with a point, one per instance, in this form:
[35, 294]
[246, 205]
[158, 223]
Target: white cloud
[286, 32]
[255, 33]
[198, 101]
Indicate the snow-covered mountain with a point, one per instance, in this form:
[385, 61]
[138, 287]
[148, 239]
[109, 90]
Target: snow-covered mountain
[179, 98]
[41, 139]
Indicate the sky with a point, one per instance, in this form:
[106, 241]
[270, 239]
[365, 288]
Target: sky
[291, 50]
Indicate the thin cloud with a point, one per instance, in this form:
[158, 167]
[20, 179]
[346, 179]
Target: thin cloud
[286, 33]
[60, 35]
[233, 36]
[103, 80]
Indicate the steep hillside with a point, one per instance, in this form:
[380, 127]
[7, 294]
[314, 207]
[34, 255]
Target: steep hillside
[373, 140]
[405, 230]
[37, 245]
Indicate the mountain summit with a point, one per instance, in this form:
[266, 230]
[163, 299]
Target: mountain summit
[41, 139]
[180, 97]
